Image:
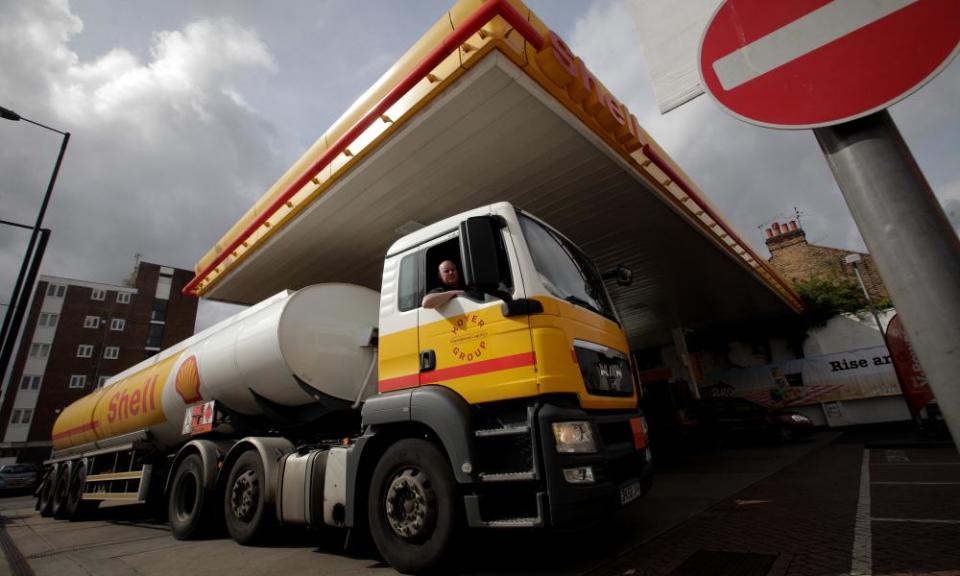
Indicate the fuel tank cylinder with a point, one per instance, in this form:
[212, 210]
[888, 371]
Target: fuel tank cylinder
[313, 346]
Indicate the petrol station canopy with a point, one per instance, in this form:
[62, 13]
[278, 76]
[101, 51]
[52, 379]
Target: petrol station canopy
[490, 105]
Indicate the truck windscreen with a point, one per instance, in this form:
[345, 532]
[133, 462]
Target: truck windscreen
[564, 270]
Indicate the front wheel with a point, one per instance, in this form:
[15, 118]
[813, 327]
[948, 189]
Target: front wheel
[414, 507]
[245, 509]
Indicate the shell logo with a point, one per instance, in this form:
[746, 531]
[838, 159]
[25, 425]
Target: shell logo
[188, 381]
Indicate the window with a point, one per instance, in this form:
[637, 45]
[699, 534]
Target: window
[56, 290]
[15, 419]
[102, 381]
[155, 336]
[564, 270]
[84, 351]
[123, 297]
[409, 283]
[111, 352]
[27, 415]
[159, 312]
[117, 324]
[91, 322]
[98, 294]
[30, 383]
[78, 381]
[40, 350]
[49, 320]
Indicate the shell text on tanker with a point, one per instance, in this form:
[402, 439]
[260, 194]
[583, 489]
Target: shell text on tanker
[129, 403]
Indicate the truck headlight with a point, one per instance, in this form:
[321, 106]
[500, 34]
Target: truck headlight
[574, 437]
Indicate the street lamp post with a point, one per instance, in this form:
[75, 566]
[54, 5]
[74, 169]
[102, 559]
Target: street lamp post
[853, 260]
[31, 260]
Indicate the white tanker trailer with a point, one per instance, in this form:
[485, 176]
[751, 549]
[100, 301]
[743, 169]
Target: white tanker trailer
[508, 406]
[314, 347]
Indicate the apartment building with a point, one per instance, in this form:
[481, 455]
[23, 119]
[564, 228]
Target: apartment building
[76, 336]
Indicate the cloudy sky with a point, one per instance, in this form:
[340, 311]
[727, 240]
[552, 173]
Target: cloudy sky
[184, 112]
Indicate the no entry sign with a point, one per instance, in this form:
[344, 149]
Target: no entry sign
[812, 63]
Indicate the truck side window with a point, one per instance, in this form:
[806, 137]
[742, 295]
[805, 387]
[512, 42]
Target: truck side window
[409, 297]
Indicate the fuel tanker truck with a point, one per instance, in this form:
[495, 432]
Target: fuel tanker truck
[512, 405]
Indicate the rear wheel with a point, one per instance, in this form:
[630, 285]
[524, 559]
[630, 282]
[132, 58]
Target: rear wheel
[191, 507]
[61, 489]
[45, 501]
[247, 515]
[414, 508]
[77, 507]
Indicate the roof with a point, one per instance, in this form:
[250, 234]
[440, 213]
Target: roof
[489, 106]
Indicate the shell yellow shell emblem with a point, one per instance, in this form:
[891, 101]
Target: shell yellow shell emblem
[188, 381]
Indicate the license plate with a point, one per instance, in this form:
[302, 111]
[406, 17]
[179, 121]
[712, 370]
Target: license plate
[630, 492]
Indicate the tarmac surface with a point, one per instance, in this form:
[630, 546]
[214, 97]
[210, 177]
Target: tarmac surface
[865, 502]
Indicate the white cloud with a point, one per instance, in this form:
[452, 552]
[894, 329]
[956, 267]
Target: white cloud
[165, 154]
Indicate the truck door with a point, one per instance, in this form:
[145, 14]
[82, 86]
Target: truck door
[468, 344]
[399, 365]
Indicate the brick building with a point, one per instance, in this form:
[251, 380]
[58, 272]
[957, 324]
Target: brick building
[78, 334]
[796, 260]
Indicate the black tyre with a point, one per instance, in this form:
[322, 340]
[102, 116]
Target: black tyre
[414, 508]
[190, 507]
[248, 517]
[77, 507]
[45, 501]
[61, 489]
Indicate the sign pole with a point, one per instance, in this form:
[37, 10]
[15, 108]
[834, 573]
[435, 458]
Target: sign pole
[916, 251]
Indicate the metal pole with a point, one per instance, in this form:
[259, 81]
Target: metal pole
[873, 309]
[23, 305]
[916, 251]
[16, 315]
[16, 287]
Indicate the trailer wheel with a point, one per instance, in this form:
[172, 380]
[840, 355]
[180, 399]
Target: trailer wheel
[45, 502]
[191, 506]
[414, 507]
[77, 507]
[61, 489]
[245, 510]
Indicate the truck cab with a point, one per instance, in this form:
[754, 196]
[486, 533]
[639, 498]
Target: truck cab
[525, 379]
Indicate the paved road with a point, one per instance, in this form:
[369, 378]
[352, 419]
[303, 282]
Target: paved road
[123, 540]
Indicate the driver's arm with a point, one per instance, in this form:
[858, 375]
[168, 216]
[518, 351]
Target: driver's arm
[438, 299]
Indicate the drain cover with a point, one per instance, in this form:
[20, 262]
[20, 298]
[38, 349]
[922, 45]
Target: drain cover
[709, 563]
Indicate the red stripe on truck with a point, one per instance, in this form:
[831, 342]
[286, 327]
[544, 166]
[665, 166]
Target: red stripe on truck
[78, 430]
[463, 371]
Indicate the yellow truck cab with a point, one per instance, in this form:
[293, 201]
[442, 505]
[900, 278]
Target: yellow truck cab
[525, 378]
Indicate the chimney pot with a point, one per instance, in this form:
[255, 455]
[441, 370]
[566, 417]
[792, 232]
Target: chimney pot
[776, 228]
[769, 233]
[793, 225]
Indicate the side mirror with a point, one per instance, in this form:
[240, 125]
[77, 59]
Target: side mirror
[623, 275]
[479, 249]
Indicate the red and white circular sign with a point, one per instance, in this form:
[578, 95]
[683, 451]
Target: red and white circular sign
[811, 63]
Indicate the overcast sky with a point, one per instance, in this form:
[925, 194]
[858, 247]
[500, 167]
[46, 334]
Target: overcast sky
[183, 113]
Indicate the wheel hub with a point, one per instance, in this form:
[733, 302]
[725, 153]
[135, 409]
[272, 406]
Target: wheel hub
[244, 494]
[411, 505]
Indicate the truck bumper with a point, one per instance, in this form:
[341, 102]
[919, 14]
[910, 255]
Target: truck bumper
[622, 471]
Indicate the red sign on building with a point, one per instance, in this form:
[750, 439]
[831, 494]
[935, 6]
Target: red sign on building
[812, 63]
